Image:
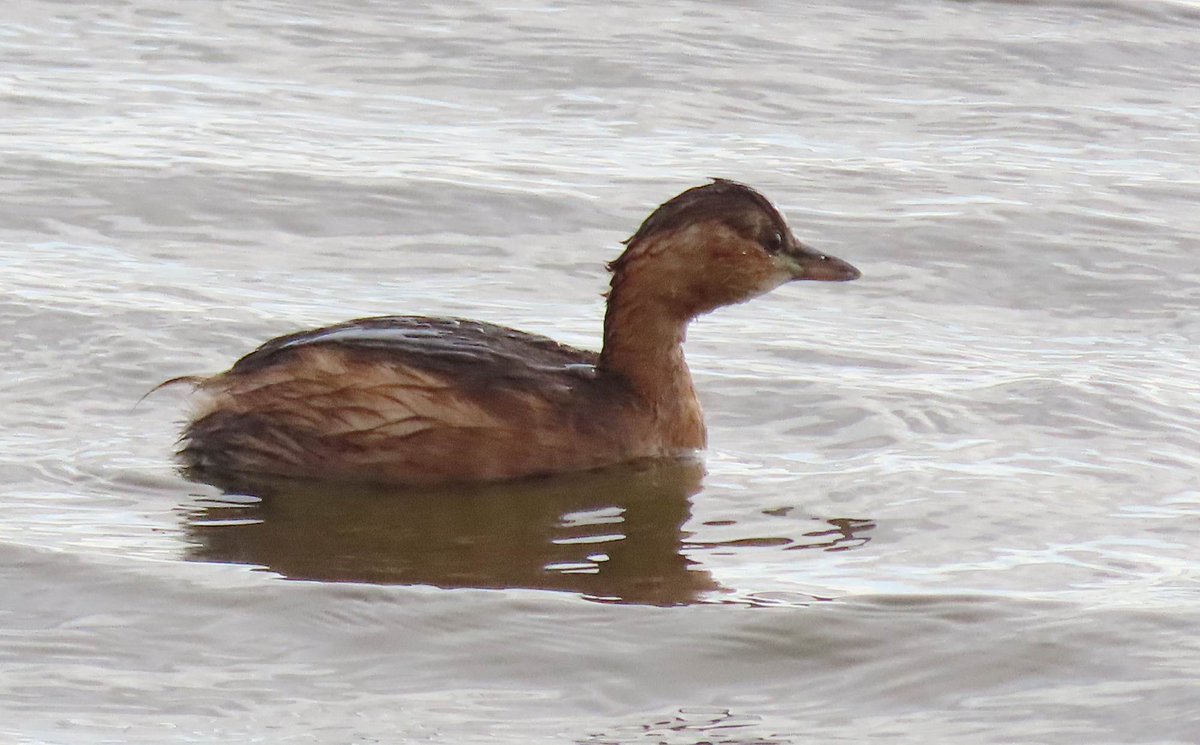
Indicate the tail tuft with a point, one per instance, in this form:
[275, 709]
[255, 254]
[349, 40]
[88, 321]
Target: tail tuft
[194, 380]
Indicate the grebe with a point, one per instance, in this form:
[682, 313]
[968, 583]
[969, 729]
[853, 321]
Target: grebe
[416, 400]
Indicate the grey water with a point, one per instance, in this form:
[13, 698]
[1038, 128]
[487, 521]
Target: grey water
[955, 501]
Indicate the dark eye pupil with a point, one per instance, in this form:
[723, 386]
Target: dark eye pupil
[775, 242]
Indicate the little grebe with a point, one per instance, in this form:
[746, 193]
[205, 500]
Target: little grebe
[415, 400]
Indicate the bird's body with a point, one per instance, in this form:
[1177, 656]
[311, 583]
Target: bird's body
[416, 400]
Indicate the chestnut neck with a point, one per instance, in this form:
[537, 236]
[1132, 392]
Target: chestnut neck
[644, 333]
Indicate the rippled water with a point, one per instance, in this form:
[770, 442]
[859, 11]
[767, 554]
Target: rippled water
[956, 501]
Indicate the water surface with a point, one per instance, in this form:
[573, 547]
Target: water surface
[955, 501]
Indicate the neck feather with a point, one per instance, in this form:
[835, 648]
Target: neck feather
[643, 343]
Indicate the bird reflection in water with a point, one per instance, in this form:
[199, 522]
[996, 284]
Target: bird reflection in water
[615, 535]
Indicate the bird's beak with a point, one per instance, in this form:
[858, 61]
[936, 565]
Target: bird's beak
[805, 263]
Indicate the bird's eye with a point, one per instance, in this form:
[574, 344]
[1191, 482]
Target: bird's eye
[774, 242]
